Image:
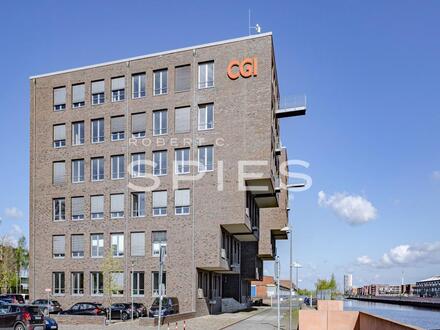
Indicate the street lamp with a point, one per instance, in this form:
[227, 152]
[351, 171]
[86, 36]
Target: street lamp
[290, 233]
[277, 276]
[297, 266]
[132, 292]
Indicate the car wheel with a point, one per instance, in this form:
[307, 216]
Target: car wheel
[124, 316]
[19, 326]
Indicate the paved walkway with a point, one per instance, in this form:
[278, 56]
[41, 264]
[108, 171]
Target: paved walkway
[266, 320]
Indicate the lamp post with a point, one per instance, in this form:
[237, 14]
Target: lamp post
[161, 262]
[132, 292]
[290, 233]
[277, 275]
[297, 266]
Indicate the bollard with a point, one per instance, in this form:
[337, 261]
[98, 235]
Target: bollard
[177, 327]
[168, 327]
[184, 325]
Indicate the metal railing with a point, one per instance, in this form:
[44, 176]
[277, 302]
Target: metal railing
[292, 101]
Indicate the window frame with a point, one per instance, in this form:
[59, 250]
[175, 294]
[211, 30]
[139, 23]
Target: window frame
[100, 138]
[139, 90]
[206, 82]
[162, 130]
[118, 167]
[81, 138]
[98, 176]
[62, 209]
[205, 169]
[77, 281]
[138, 214]
[161, 171]
[205, 108]
[97, 238]
[116, 253]
[96, 290]
[140, 289]
[161, 88]
[60, 289]
[80, 179]
[182, 163]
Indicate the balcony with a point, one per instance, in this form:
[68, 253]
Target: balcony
[292, 106]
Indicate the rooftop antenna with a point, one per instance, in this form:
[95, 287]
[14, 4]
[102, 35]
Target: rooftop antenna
[257, 27]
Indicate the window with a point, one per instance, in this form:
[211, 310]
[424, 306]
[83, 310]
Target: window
[118, 281]
[59, 98]
[206, 116]
[138, 125]
[118, 89]
[78, 170]
[98, 92]
[58, 283]
[159, 203]
[160, 122]
[96, 283]
[97, 207]
[117, 247]
[97, 169]
[77, 208]
[118, 128]
[59, 209]
[183, 78]
[117, 206]
[138, 244]
[160, 161]
[78, 96]
[182, 161]
[59, 136]
[206, 75]
[206, 158]
[138, 204]
[59, 246]
[97, 130]
[181, 199]
[59, 172]
[77, 246]
[138, 280]
[138, 82]
[118, 167]
[97, 245]
[138, 165]
[155, 283]
[158, 240]
[160, 82]
[78, 133]
[77, 283]
[182, 120]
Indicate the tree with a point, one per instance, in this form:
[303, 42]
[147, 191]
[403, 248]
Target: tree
[109, 266]
[8, 265]
[21, 259]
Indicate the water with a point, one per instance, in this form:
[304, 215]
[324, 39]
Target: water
[421, 317]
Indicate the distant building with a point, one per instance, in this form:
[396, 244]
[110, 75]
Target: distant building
[380, 290]
[429, 287]
[407, 289]
[348, 283]
[268, 288]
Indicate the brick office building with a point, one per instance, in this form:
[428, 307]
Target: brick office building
[101, 134]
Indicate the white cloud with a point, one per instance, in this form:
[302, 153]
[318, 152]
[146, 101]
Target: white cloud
[13, 235]
[364, 260]
[352, 208]
[13, 213]
[436, 175]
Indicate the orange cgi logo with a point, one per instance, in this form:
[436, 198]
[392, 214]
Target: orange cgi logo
[246, 68]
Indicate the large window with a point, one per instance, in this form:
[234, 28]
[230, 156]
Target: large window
[160, 122]
[77, 282]
[160, 82]
[206, 158]
[155, 283]
[159, 241]
[138, 125]
[138, 82]
[97, 207]
[206, 116]
[182, 120]
[160, 163]
[182, 78]
[117, 241]
[59, 136]
[97, 245]
[182, 201]
[59, 246]
[118, 89]
[78, 170]
[59, 98]
[181, 161]
[138, 165]
[96, 284]
[118, 167]
[59, 209]
[118, 128]
[97, 169]
[159, 203]
[58, 283]
[98, 130]
[137, 244]
[78, 133]
[98, 88]
[77, 208]
[78, 96]
[138, 204]
[117, 279]
[117, 206]
[206, 75]
[138, 286]
[77, 246]
[59, 172]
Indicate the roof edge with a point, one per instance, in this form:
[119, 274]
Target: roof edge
[216, 43]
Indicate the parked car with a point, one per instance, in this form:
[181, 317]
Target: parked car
[51, 324]
[85, 308]
[21, 317]
[121, 311]
[170, 305]
[141, 309]
[15, 298]
[48, 308]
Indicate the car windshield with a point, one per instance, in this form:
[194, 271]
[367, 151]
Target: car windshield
[164, 302]
[34, 310]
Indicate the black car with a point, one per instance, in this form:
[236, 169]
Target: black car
[21, 317]
[14, 298]
[170, 305]
[50, 307]
[141, 309]
[85, 308]
[121, 311]
[51, 324]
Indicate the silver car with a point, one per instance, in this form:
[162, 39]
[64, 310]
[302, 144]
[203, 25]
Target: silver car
[51, 307]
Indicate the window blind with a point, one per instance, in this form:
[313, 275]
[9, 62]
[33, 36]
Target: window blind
[59, 244]
[97, 204]
[138, 122]
[77, 243]
[183, 78]
[98, 86]
[182, 197]
[138, 244]
[59, 132]
[118, 124]
[59, 172]
[118, 83]
[117, 203]
[159, 199]
[182, 120]
[78, 93]
[77, 206]
[59, 96]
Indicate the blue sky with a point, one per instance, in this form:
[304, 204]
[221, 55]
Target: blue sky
[370, 70]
